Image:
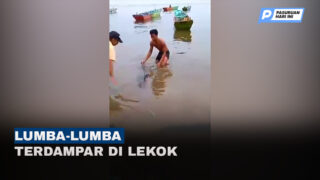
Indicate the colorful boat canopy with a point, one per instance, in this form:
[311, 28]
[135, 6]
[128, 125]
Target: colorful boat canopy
[180, 14]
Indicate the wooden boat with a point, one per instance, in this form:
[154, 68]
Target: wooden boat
[142, 17]
[155, 13]
[113, 10]
[165, 9]
[183, 25]
[182, 21]
[186, 8]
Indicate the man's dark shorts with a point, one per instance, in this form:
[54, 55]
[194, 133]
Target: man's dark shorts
[160, 56]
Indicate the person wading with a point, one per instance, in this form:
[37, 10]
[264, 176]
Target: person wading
[163, 55]
[114, 39]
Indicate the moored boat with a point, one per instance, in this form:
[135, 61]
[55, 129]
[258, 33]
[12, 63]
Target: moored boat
[113, 10]
[186, 8]
[183, 25]
[182, 21]
[142, 17]
[165, 9]
[155, 13]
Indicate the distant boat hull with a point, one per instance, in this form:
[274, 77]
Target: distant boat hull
[183, 25]
[113, 10]
[142, 18]
[165, 9]
[186, 8]
[155, 15]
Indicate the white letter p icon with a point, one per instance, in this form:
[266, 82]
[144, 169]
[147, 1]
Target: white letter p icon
[266, 14]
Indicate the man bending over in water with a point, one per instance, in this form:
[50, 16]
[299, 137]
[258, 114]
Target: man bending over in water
[163, 56]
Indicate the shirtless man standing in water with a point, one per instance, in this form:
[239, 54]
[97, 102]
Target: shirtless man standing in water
[163, 56]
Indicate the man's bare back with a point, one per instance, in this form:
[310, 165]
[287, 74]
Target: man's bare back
[159, 44]
[163, 55]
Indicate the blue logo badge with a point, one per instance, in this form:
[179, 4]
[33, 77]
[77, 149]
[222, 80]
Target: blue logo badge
[281, 15]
